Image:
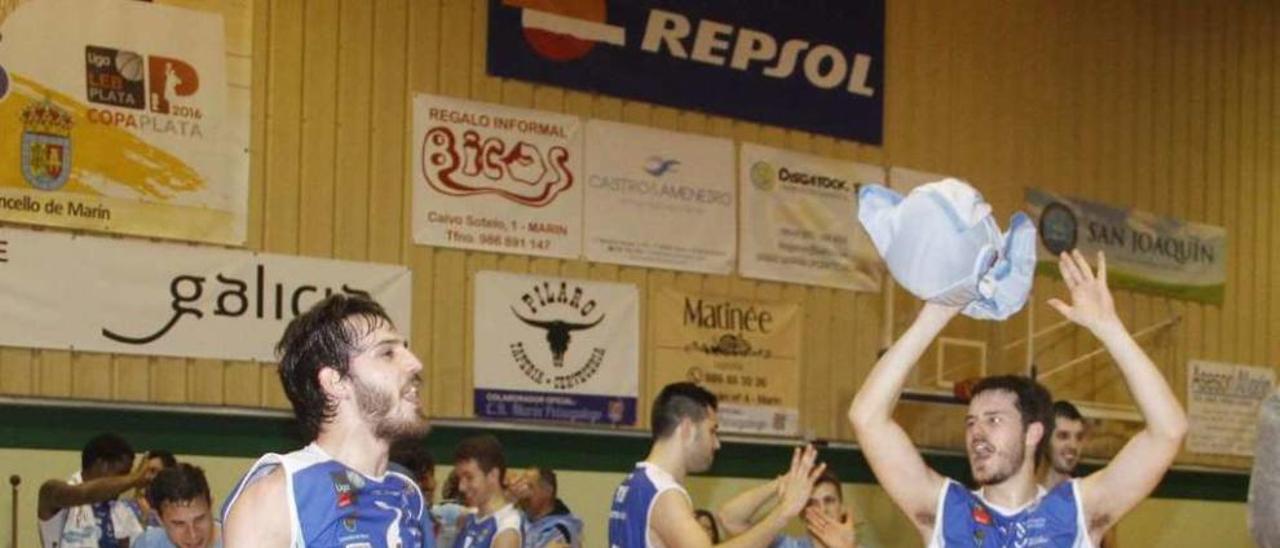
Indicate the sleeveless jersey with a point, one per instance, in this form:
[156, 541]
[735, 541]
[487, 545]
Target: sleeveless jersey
[333, 505]
[632, 504]
[1055, 519]
[478, 532]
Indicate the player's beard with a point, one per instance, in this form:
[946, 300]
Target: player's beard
[1001, 466]
[386, 411]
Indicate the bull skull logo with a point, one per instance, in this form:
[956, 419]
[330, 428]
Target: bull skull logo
[558, 334]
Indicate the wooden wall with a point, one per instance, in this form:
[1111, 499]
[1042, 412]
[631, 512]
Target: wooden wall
[1166, 106]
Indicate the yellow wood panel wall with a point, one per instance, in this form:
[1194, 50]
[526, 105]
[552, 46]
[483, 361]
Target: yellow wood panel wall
[1168, 107]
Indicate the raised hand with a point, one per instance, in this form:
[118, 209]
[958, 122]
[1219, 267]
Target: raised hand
[1091, 304]
[797, 483]
[831, 533]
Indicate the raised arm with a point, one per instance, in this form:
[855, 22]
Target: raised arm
[736, 513]
[674, 523]
[912, 485]
[57, 494]
[1136, 470]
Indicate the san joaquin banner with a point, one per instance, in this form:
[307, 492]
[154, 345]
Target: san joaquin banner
[1145, 252]
[745, 352]
[127, 117]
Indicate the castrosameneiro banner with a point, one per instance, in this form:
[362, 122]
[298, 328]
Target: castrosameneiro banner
[556, 349]
[799, 219]
[127, 117]
[126, 296]
[658, 199]
[746, 352]
[1145, 252]
[817, 65]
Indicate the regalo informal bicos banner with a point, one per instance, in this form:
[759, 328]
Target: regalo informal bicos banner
[659, 199]
[817, 66]
[126, 117]
[746, 352]
[495, 178]
[1222, 406]
[556, 349]
[800, 219]
[1145, 252]
[64, 291]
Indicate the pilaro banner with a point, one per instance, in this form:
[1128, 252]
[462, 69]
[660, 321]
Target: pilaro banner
[556, 349]
[1145, 252]
[817, 65]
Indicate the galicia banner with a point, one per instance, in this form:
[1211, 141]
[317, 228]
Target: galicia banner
[64, 291]
[127, 117]
[556, 349]
[746, 352]
[496, 178]
[659, 199]
[800, 217]
[1145, 252]
[816, 66]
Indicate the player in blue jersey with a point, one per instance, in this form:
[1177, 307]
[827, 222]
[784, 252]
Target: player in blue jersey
[353, 384]
[1006, 431]
[482, 469]
[651, 507]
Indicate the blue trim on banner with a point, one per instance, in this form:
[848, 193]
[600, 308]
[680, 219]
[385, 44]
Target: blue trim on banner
[817, 65]
[545, 406]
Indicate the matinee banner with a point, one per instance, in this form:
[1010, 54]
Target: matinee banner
[127, 117]
[746, 352]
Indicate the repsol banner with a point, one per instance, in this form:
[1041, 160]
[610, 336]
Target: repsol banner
[1145, 252]
[72, 292]
[816, 66]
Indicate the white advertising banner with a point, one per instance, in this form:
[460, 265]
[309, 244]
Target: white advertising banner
[1222, 406]
[800, 219]
[496, 178]
[131, 297]
[659, 199]
[127, 117]
[556, 349]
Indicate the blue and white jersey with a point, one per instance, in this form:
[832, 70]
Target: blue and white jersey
[788, 541]
[633, 503]
[479, 532]
[1055, 519]
[333, 505]
[559, 526]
